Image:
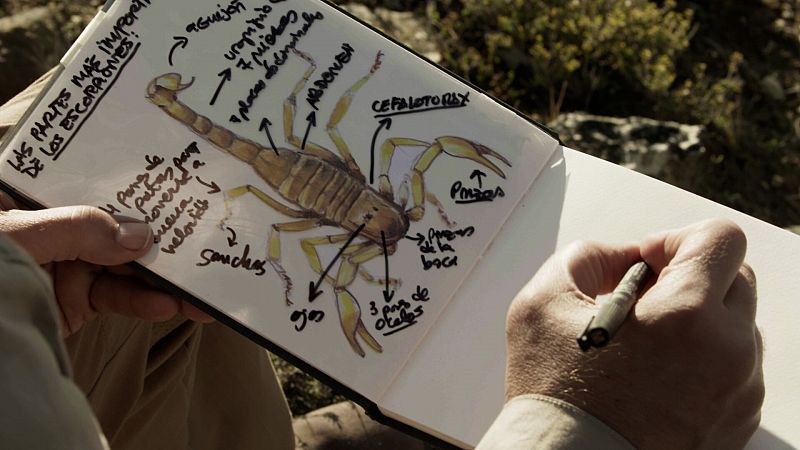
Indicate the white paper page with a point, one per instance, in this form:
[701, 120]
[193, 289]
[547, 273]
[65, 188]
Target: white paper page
[131, 150]
[454, 383]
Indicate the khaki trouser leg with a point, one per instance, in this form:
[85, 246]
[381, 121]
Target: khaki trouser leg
[138, 379]
[235, 384]
[40, 406]
[176, 384]
[179, 385]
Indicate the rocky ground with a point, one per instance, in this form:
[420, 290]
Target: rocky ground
[758, 174]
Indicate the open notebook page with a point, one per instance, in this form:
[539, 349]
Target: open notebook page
[454, 382]
[231, 138]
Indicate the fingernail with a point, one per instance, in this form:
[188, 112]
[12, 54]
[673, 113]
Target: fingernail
[134, 235]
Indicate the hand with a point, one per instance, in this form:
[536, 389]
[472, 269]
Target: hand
[684, 371]
[82, 248]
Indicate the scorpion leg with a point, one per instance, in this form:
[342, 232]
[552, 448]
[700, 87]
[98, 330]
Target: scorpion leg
[290, 112]
[274, 249]
[369, 278]
[387, 152]
[453, 146]
[338, 114]
[440, 208]
[350, 319]
[346, 304]
[274, 244]
[234, 193]
[309, 248]
[372, 279]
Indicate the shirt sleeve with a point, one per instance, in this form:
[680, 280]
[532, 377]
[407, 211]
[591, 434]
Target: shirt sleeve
[40, 406]
[539, 422]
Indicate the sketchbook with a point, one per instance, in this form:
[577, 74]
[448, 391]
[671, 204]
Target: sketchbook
[339, 199]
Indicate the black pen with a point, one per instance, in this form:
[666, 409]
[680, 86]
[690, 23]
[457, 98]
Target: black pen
[615, 309]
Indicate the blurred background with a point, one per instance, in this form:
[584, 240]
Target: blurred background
[703, 95]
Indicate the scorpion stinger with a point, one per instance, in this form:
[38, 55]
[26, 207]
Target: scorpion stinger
[170, 83]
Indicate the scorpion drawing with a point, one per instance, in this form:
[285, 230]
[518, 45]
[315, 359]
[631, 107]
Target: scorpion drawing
[325, 189]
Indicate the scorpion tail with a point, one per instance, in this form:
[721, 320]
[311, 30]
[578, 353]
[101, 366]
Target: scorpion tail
[163, 92]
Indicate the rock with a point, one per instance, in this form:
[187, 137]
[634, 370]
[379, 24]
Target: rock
[665, 150]
[772, 87]
[30, 44]
[404, 26]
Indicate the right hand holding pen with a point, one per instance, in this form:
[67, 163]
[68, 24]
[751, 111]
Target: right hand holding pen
[684, 371]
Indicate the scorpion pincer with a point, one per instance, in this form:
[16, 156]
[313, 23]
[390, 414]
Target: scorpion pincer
[325, 189]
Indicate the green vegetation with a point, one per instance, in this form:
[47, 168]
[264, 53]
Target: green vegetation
[303, 392]
[536, 53]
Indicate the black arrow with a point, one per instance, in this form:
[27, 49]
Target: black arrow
[313, 288]
[479, 175]
[312, 122]
[232, 238]
[181, 42]
[387, 122]
[418, 238]
[226, 76]
[265, 123]
[387, 294]
[214, 187]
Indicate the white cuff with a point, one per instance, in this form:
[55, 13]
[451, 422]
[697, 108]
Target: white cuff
[539, 422]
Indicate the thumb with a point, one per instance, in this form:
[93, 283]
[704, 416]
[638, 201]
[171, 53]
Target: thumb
[77, 232]
[570, 279]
